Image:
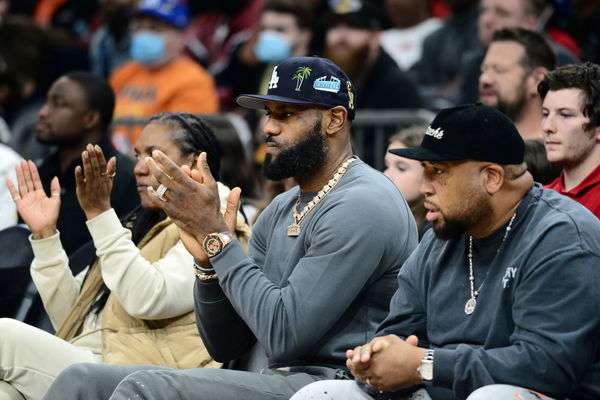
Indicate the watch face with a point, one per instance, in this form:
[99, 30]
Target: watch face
[426, 371]
[213, 245]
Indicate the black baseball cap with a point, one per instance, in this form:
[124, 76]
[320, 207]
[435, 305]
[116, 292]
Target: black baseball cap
[469, 132]
[356, 13]
[306, 80]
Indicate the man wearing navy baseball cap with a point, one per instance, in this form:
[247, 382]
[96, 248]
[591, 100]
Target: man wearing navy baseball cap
[316, 280]
[501, 295]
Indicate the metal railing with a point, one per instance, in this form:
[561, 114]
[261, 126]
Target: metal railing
[372, 128]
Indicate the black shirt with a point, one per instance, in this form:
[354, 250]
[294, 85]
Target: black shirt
[71, 221]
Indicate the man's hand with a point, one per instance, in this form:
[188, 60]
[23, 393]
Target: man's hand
[387, 363]
[94, 181]
[192, 200]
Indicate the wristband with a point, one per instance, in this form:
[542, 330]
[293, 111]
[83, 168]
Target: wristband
[203, 269]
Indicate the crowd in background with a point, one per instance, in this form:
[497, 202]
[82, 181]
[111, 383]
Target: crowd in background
[130, 76]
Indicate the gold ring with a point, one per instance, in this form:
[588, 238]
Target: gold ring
[112, 175]
[103, 173]
[55, 194]
[17, 198]
[368, 382]
[160, 192]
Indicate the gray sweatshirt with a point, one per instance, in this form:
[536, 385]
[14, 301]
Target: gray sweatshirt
[537, 321]
[308, 299]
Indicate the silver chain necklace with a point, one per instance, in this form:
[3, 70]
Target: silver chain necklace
[472, 302]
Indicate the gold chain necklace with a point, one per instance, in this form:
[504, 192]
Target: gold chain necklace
[294, 229]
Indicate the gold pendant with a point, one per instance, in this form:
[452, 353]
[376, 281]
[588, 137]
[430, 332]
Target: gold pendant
[293, 230]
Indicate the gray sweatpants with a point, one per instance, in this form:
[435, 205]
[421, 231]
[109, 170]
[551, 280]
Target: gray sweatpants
[136, 382]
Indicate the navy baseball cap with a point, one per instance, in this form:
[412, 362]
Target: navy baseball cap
[175, 12]
[469, 132]
[306, 80]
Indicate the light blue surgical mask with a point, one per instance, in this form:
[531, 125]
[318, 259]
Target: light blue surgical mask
[272, 47]
[147, 47]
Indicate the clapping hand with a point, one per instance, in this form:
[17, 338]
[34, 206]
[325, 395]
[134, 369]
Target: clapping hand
[39, 211]
[192, 201]
[94, 181]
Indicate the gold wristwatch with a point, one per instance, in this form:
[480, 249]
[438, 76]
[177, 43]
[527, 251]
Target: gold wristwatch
[214, 243]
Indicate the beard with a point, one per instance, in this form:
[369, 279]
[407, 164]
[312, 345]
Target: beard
[474, 209]
[514, 109]
[351, 60]
[297, 160]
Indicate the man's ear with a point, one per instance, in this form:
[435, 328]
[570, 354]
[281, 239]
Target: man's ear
[336, 119]
[493, 178]
[535, 77]
[91, 119]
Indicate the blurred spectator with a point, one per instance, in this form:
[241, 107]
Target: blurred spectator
[236, 167]
[71, 16]
[411, 24]
[514, 65]
[584, 25]
[571, 125]
[407, 174]
[438, 70]
[159, 77]
[499, 14]
[4, 8]
[218, 27]
[542, 170]
[352, 42]
[110, 44]
[284, 30]
[8, 210]
[31, 58]
[78, 111]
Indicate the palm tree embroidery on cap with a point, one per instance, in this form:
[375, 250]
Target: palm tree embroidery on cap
[301, 74]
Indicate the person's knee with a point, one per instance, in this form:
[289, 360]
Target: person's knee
[81, 372]
[138, 382]
[70, 382]
[502, 392]
[330, 389]
[11, 329]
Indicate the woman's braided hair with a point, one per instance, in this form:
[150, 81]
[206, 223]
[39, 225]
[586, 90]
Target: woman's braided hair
[193, 136]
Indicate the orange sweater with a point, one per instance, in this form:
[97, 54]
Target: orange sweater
[181, 85]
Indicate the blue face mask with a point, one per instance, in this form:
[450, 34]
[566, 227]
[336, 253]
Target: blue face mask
[147, 47]
[272, 47]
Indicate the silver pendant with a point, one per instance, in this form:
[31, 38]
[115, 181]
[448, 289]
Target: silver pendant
[470, 306]
[293, 230]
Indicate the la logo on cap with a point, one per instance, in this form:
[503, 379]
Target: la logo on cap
[274, 79]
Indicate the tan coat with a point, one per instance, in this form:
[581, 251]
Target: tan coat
[172, 342]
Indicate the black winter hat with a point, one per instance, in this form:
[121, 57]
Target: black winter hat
[469, 132]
